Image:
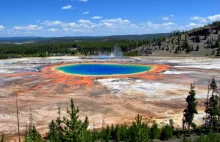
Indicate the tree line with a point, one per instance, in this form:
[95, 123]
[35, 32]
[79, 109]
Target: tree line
[66, 48]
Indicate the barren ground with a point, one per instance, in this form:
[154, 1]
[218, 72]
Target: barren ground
[105, 100]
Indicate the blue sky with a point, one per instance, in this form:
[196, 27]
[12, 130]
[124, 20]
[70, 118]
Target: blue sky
[103, 17]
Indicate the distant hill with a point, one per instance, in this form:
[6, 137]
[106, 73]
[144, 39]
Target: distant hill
[70, 39]
[203, 41]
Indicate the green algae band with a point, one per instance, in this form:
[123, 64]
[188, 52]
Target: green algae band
[103, 69]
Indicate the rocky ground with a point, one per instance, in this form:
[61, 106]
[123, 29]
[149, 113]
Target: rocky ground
[104, 100]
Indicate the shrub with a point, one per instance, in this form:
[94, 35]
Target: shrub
[166, 133]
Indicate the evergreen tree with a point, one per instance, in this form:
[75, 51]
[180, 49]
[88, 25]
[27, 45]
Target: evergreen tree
[191, 107]
[107, 133]
[117, 133]
[139, 131]
[3, 138]
[213, 86]
[197, 48]
[53, 135]
[154, 131]
[166, 133]
[218, 52]
[32, 135]
[198, 38]
[212, 108]
[74, 130]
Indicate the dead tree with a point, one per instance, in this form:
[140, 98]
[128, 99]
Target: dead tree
[19, 135]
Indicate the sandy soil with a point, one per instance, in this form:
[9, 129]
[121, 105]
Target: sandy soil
[157, 95]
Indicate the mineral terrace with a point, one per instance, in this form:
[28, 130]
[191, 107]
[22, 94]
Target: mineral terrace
[158, 95]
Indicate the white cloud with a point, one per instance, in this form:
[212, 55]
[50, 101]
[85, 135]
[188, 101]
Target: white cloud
[172, 15]
[165, 18]
[214, 17]
[206, 19]
[66, 29]
[200, 19]
[118, 20]
[1, 27]
[84, 21]
[73, 24]
[81, 30]
[193, 25]
[118, 26]
[83, 0]
[28, 27]
[168, 24]
[51, 23]
[67, 7]
[87, 12]
[53, 30]
[38, 21]
[97, 17]
[150, 25]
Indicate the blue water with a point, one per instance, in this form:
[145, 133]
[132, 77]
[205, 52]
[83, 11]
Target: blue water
[102, 69]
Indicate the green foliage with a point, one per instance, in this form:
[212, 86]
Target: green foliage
[166, 133]
[197, 48]
[32, 135]
[131, 53]
[53, 135]
[154, 131]
[198, 130]
[198, 38]
[212, 110]
[213, 85]
[218, 52]
[191, 107]
[211, 137]
[74, 130]
[138, 131]
[3, 138]
[212, 106]
[88, 47]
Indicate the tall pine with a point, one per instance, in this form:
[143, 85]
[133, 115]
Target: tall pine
[74, 130]
[212, 108]
[191, 108]
[139, 131]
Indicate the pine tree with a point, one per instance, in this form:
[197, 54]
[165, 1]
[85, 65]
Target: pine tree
[3, 138]
[58, 125]
[32, 135]
[218, 52]
[213, 86]
[74, 130]
[191, 107]
[166, 133]
[197, 48]
[139, 131]
[213, 110]
[198, 38]
[53, 135]
[213, 105]
[107, 133]
[117, 133]
[155, 131]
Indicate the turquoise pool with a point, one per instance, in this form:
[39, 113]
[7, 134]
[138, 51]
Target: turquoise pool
[103, 69]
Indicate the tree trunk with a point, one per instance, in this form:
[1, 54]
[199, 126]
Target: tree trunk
[207, 105]
[19, 138]
[189, 129]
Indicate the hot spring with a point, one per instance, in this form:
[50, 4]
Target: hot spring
[103, 69]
